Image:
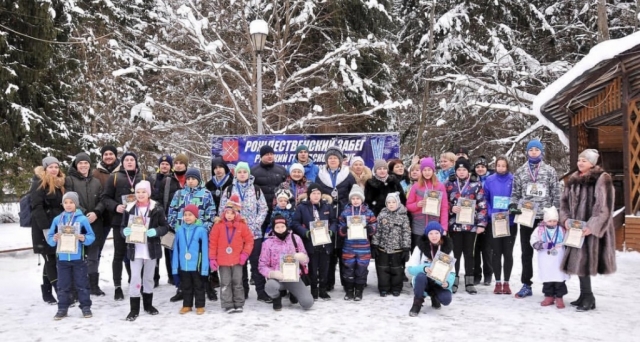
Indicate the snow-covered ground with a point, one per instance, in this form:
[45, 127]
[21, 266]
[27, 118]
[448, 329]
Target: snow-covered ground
[483, 317]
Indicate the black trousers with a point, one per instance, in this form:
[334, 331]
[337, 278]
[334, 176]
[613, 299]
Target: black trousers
[389, 268]
[463, 244]
[503, 248]
[555, 289]
[414, 241]
[483, 255]
[192, 287]
[527, 253]
[335, 258]
[50, 268]
[119, 253]
[319, 267]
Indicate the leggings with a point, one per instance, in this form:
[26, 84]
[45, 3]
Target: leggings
[503, 248]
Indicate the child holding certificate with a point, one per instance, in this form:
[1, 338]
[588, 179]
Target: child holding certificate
[230, 244]
[547, 240]
[143, 256]
[190, 249]
[357, 224]
[70, 232]
[438, 286]
[282, 261]
[390, 245]
[316, 223]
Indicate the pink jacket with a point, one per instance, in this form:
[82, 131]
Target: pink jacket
[273, 248]
[413, 198]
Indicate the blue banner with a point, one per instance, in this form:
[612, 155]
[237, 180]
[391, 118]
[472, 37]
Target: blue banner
[369, 146]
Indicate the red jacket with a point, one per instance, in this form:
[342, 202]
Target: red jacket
[241, 241]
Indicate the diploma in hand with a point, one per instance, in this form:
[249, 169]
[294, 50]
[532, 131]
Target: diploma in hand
[167, 240]
[574, 237]
[290, 269]
[139, 228]
[432, 202]
[320, 232]
[467, 211]
[441, 266]
[126, 199]
[356, 228]
[500, 224]
[528, 216]
[68, 241]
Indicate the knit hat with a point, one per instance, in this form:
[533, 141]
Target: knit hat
[301, 148]
[192, 208]
[356, 159]
[193, 173]
[535, 143]
[265, 149]
[182, 158]
[278, 218]
[433, 225]
[427, 162]
[463, 162]
[144, 185]
[166, 158]
[591, 155]
[234, 203]
[49, 160]
[311, 188]
[461, 150]
[356, 190]
[111, 148]
[379, 164]
[127, 154]
[81, 157]
[72, 196]
[296, 166]
[480, 161]
[550, 214]
[393, 196]
[333, 151]
[242, 166]
[283, 193]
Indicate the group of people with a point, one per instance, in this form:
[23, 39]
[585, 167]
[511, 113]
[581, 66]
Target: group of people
[295, 226]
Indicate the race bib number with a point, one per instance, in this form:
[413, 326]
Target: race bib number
[536, 190]
[501, 202]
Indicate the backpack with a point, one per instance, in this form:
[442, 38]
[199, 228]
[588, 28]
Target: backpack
[25, 211]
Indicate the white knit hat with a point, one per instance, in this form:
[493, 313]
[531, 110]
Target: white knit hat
[550, 214]
[356, 190]
[355, 159]
[591, 155]
[296, 166]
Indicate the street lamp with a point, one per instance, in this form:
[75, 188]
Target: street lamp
[259, 30]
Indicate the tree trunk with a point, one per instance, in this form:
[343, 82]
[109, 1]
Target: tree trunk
[603, 23]
[426, 96]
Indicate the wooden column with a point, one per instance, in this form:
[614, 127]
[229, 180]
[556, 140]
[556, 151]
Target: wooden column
[626, 109]
[632, 158]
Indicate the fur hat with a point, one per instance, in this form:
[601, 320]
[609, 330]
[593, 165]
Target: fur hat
[296, 166]
[356, 159]
[266, 149]
[433, 225]
[234, 203]
[356, 190]
[379, 164]
[283, 193]
[72, 196]
[144, 185]
[111, 148]
[591, 155]
[242, 166]
[550, 214]
[192, 208]
[182, 158]
[49, 160]
[427, 162]
[464, 163]
[193, 173]
[333, 151]
[166, 158]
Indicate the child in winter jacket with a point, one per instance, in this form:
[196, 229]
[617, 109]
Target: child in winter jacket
[419, 266]
[390, 245]
[548, 239]
[283, 242]
[190, 249]
[283, 208]
[356, 253]
[72, 268]
[230, 244]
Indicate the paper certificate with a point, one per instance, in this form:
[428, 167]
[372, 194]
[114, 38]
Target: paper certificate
[356, 229]
[441, 266]
[167, 240]
[432, 201]
[574, 237]
[528, 216]
[68, 241]
[500, 224]
[290, 269]
[126, 199]
[319, 232]
[467, 211]
[138, 230]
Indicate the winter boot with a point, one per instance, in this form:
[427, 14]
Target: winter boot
[498, 288]
[506, 289]
[60, 315]
[324, 295]
[178, 297]
[477, 280]
[416, 307]
[263, 297]
[199, 311]
[578, 301]
[588, 303]
[560, 303]
[135, 308]
[86, 313]
[487, 280]
[184, 310]
[435, 302]
[147, 300]
[94, 279]
[277, 303]
[47, 296]
[469, 285]
[292, 299]
[118, 295]
[358, 292]
[547, 301]
[456, 282]
[314, 294]
[350, 292]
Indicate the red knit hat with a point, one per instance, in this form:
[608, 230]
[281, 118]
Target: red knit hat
[234, 203]
[192, 208]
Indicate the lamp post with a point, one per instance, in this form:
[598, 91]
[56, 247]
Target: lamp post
[259, 30]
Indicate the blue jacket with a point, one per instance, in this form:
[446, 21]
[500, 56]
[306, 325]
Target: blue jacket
[304, 215]
[200, 197]
[497, 192]
[81, 224]
[310, 170]
[197, 237]
[443, 175]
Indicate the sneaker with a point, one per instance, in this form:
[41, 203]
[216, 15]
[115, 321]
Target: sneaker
[560, 303]
[525, 291]
[229, 310]
[263, 297]
[498, 288]
[86, 313]
[547, 301]
[60, 315]
[118, 295]
[239, 309]
[506, 289]
[184, 310]
[199, 311]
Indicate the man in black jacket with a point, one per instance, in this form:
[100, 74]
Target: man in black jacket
[221, 179]
[268, 176]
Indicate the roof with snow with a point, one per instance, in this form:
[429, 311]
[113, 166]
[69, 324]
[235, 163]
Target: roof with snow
[587, 80]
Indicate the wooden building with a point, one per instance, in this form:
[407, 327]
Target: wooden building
[597, 103]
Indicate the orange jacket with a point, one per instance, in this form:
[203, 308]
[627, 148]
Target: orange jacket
[242, 242]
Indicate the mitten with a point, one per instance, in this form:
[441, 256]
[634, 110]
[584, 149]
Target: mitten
[513, 209]
[152, 232]
[405, 255]
[243, 258]
[374, 252]
[538, 246]
[301, 257]
[277, 275]
[126, 231]
[213, 264]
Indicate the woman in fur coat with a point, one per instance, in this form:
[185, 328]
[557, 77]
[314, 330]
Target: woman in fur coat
[589, 197]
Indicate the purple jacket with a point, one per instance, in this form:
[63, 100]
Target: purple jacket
[497, 192]
[273, 248]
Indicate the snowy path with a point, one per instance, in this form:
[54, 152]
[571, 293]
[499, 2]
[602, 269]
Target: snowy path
[483, 317]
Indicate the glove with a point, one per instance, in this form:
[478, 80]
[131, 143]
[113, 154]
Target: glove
[213, 264]
[374, 252]
[176, 280]
[152, 232]
[126, 231]
[513, 209]
[405, 255]
[301, 257]
[276, 275]
[538, 246]
[308, 234]
[243, 258]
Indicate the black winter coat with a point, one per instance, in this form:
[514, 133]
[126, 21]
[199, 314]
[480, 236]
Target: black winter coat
[89, 191]
[44, 208]
[157, 220]
[376, 191]
[117, 186]
[161, 185]
[344, 183]
[304, 215]
[268, 178]
[211, 186]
